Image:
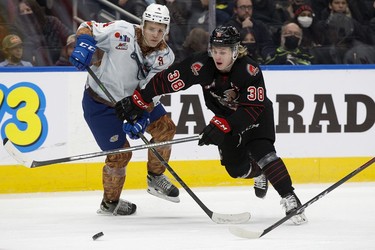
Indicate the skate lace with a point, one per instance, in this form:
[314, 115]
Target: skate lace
[163, 182]
[260, 182]
[123, 206]
[289, 203]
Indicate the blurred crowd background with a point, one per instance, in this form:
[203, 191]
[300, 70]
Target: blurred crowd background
[275, 32]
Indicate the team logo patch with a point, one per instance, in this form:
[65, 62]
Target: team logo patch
[228, 99]
[122, 46]
[123, 38]
[196, 67]
[253, 71]
[114, 138]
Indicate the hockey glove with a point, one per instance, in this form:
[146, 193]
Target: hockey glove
[83, 52]
[215, 132]
[131, 107]
[133, 129]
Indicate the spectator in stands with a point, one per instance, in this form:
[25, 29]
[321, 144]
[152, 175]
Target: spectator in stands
[342, 43]
[367, 8]
[288, 7]
[290, 52]
[13, 50]
[199, 15]
[43, 35]
[249, 42]
[67, 51]
[266, 12]
[305, 18]
[224, 11]
[135, 7]
[179, 13]
[196, 41]
[243, 21]
[339, 11]
[351, 8]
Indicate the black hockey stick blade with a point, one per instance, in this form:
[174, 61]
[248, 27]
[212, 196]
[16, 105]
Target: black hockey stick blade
[244, 233]
[25, 161]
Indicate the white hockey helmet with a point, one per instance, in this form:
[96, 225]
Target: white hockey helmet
[157, 13]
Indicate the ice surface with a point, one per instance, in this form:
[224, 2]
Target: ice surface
[343, 219]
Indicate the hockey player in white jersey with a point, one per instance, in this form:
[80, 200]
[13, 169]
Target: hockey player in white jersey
[128, 56]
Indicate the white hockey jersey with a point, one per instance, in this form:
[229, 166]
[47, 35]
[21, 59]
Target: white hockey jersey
[119, 70]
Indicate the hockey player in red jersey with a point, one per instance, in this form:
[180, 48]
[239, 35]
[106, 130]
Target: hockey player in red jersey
[243, 125]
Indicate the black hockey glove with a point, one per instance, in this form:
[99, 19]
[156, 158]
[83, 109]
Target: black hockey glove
[131, 107]
[215, 132]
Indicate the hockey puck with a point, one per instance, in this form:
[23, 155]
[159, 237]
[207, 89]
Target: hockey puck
[100, 234]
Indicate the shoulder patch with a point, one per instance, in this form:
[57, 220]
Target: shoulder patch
[252, 70]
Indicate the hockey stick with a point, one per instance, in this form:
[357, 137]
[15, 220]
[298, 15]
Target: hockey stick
[216, 217]
[243, 233]
[23, 160]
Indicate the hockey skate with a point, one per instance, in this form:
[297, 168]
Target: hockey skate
[260, 186]
[121, 207]
[291, 202]
[160, 186]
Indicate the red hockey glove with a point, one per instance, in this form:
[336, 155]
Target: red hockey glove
[131, 107]
[215, 132]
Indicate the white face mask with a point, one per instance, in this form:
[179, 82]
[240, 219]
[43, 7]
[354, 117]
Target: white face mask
[305, 21]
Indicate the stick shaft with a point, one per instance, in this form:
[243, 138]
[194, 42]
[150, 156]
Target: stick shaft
[318, 196]
[108, 152]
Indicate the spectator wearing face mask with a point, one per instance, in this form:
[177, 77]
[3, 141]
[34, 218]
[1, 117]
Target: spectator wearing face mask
[249, 42]
[290, 52]
[43, 35]
[305, 18]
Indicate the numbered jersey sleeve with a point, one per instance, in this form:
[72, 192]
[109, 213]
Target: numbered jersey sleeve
[196, 69]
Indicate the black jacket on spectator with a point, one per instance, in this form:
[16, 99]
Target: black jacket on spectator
[261, 33]
[135, 7]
